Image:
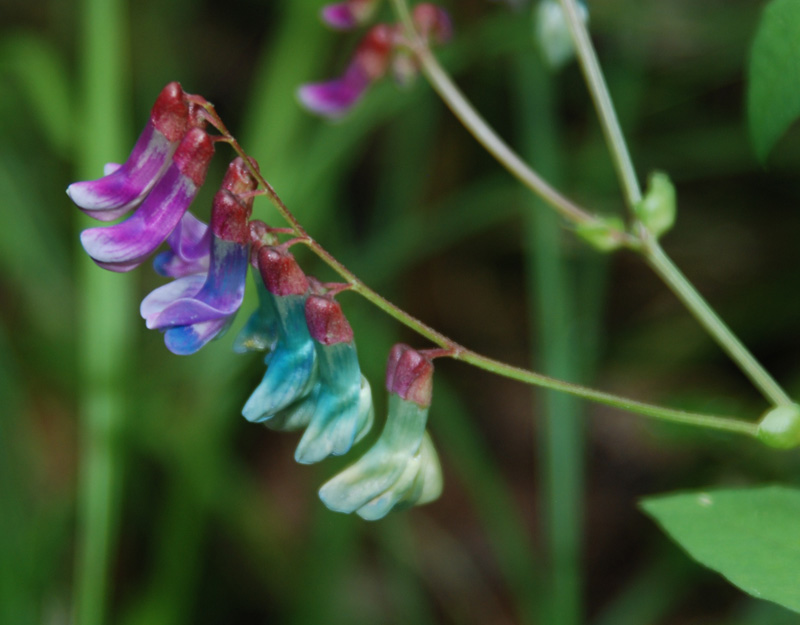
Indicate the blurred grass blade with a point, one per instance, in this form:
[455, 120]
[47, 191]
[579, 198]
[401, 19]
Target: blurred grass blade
[39, 71]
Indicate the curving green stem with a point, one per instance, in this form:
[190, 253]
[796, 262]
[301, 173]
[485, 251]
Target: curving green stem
[649, 248]
[456, 351]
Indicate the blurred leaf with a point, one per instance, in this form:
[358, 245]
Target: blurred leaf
[750, 536]
[39, 69]
[773, 97]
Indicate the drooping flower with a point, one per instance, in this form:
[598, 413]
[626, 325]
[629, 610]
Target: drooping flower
[292, 365]
[336, 97]
[384, 46]
[190, 241]
[261, 332]
[123, 187]
[340, 406]
[125, 245]
[349, 14]
[552, 32]
[195, 308]
[402, 468]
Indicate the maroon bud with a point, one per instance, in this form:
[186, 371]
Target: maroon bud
[409, 374]
[372, 55]
[433, 22]
[170, 113]
[326, 321]
[229, 218]
[238, 179]
[194, 155]
[281, 274]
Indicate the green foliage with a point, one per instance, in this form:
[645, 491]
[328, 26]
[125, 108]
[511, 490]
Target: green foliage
[773, 97]
[751, 536]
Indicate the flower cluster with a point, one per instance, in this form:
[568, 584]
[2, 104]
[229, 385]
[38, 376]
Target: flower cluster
[313, 380]
[382, 48]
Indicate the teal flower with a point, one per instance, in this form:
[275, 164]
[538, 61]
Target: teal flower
[402, 468]
[339, 410]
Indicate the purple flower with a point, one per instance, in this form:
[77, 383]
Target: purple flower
[125, 245]
[190, 241]
[194, 309]
[348, 14]
[336, 97]
[124, 187]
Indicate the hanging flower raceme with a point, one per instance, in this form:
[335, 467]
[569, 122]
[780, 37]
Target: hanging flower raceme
[124, 187]
[349, 14]
[402, 468]
[195, 308]
[381, 48]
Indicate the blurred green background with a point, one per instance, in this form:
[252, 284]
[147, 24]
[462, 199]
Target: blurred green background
[205, 518]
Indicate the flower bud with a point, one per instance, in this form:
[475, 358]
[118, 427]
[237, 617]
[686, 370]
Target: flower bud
[348, 14]
[409, 374]
[656, 210]
[280, 271]
[326, 321]
[603, 234]
[780, 427]
[552, 33]
[433, 23]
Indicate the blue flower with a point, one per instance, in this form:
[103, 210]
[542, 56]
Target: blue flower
[194, 309]
[401, 469]
[292, 365]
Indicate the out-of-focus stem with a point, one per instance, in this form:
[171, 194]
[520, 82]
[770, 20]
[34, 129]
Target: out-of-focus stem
[106, 314]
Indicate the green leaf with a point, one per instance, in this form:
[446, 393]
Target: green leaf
[773, 94]
[750, 536]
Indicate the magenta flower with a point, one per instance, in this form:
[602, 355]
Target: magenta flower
[194, 309]
[190, 241]
[348, 14]
[336, 97]
[125, 245]
[124, 187]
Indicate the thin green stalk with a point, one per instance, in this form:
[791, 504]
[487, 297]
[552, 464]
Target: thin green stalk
[552, 305]
[106, 305]
[650, 249]
[455, 350]
[730, 343]
[602, 101]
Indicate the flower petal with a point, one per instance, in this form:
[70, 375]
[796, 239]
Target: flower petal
[190, 244]
[125, 245]
[124, 187]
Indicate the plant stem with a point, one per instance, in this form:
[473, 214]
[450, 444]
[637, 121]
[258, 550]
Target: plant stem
[602, 101]
[485, 135]
[649, 248]
[104, 346]
[677, 282]
[458, 351]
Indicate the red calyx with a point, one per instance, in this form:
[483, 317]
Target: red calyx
[281, 274]
[194, 155]
[170, 113]
[409, 374]
[229, 218]
[326, 321]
